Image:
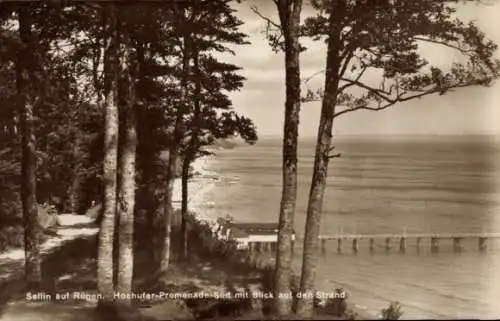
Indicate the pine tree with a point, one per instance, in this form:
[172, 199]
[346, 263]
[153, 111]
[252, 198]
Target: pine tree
[212, 118]
[29, 101]
[363, 36]
[284, 36]
[105, 277]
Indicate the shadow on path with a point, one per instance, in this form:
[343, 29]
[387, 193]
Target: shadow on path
[69, 268]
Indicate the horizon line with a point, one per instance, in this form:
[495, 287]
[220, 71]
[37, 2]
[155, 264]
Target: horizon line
[385, 135]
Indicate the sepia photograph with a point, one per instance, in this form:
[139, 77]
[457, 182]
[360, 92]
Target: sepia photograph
[249, 160]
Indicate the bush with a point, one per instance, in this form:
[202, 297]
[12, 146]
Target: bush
[393, 312]
[10, 201]
[11, 237]
[202, 238]
[11, 219]
[337, 306]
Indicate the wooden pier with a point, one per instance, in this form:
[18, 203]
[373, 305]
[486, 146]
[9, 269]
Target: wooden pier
[405, 239]
[434, 241]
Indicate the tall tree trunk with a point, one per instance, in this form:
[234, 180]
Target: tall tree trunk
[168, 210]
[126, 192]
[32, 227]
[305, 306]
[174, 155]
[106, 233]
[289, 12]
[152, 203]
[126, 202]
[190, 153]
[148, 161]
[184, 207]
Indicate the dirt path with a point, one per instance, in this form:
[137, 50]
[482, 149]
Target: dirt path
[58, 258]
[71, 227]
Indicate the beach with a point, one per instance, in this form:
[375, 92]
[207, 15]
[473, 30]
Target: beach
[198, 187]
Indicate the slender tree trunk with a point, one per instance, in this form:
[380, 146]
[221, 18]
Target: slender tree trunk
[305, 306]
[173, 157]
[168, 210]
[148, 166]
[106, 233]
[184, 207]
[190, 153]
[155, 215]
[32, 228]
[290, 20]
[126, 193]
[126, 207]
[77, 195]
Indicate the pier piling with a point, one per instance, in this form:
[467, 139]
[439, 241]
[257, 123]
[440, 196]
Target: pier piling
[323, 246]
[434, 244]
[355, 246]
[388, 244]
[457, 244]
[482, 243]
[372, 245]
[339, 245]
[402, 244]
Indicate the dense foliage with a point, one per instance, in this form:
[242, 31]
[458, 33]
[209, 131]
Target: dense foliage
[70, 119]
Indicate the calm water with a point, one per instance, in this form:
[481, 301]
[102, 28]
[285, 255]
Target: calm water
[386, 185]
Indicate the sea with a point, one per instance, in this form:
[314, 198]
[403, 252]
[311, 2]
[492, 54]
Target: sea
[382, 185]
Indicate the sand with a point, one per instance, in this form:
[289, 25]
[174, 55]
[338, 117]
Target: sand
[73, 227]
[198, 187]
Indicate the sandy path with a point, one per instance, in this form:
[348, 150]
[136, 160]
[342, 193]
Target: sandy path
[71, 227]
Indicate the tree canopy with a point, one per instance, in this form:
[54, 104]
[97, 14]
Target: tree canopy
[381, 39]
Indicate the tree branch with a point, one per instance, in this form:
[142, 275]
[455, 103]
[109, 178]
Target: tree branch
[400, 97]
[446, 44]
[379, 92]
[330, 155]
[313, 75]
[338, 155]
[268, 20]
[352, 83]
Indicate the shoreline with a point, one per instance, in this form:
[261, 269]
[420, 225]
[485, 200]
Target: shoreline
[199, 184]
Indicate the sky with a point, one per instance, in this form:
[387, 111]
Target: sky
[473, 110]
